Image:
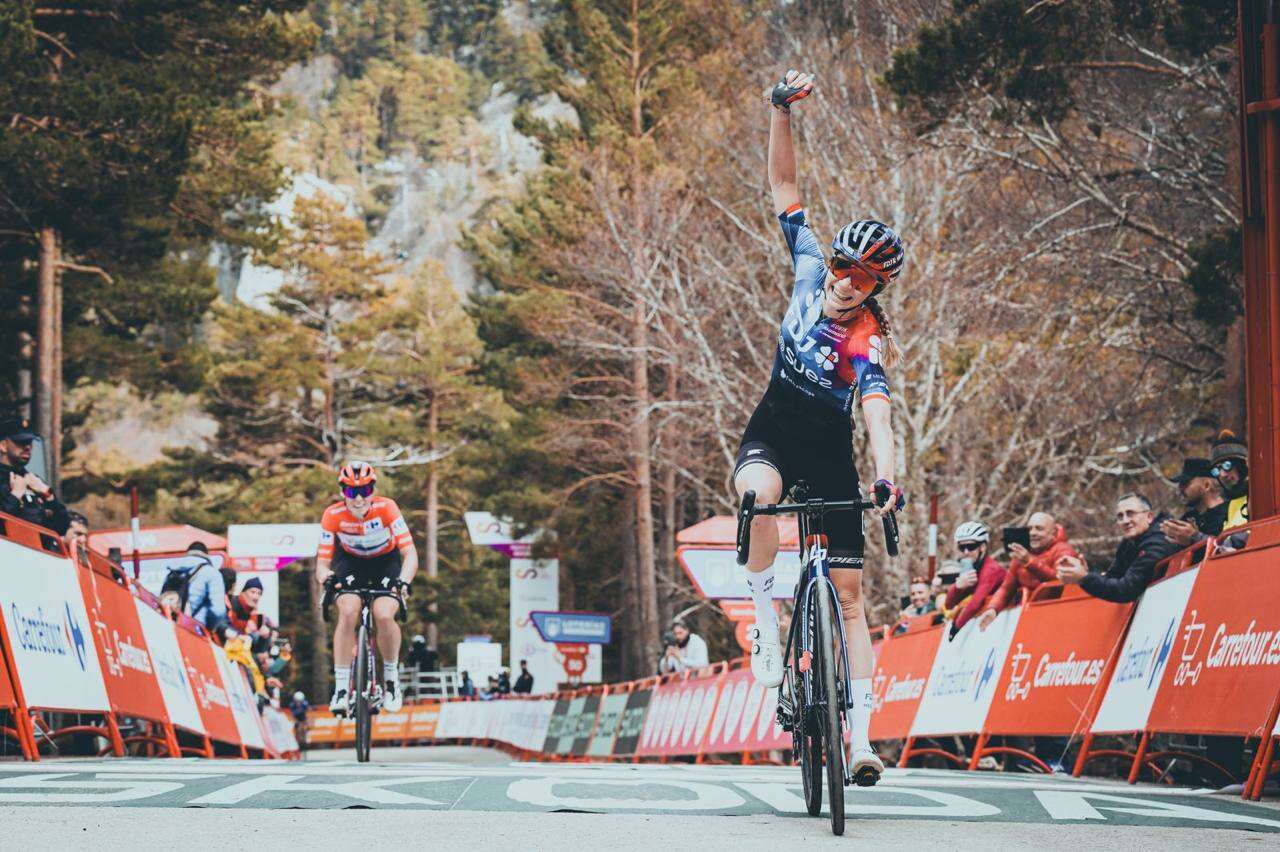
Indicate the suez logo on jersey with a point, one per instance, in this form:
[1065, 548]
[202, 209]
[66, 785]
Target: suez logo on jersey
[40, 634]
[1249, 647]
[825, 357]
[1049, 673]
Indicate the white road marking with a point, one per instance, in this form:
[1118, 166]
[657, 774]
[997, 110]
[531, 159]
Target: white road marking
[38, 787]
[368, 791]
[708, 797]
[1074, 805]
[785, 799]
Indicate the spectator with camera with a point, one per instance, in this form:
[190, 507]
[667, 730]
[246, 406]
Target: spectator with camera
[979, 576]
[1143, 545]
[1034, 562]
[23, 494]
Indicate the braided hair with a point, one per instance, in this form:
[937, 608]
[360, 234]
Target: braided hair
[891, 355]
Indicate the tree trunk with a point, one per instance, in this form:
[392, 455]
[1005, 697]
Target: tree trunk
[641, 448]
[667, 543]
[46, 340]
[633, 658]
[432, 560]
[321, 661]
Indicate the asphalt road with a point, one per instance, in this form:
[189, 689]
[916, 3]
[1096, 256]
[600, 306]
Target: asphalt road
[457, 797]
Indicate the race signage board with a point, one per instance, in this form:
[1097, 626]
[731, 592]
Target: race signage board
[632, 724]
[964, 676]
[612, 709]
[244, 706]
[585, 726]
[127, 667]
[576, 627]
[716, 574]
[1145, 654]
[171, 669]
[1053, 676]
[423, 721]
[535, 586]
[281, 543]
[745, 717]
[50, 635]
[1224, 670]
[219, 721]
[898, 681]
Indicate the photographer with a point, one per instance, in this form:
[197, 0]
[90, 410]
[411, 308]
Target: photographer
[979, 577]
[671, 660]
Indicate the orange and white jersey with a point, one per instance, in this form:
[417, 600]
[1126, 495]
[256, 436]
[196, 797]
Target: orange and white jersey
[380, 531]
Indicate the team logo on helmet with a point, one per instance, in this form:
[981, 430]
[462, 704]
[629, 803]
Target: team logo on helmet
[357, 473]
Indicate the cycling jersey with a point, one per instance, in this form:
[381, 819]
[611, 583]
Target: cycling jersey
[380, 531]
[819, 358]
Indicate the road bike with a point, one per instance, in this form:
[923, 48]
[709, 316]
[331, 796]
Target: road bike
[816, 692]
[365, 689]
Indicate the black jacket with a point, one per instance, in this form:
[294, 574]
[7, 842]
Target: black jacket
[1210, 522]
[524, 684]
[50, 513]
[1135, 561]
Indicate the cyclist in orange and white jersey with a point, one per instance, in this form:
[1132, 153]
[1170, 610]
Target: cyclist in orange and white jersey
[365, 544]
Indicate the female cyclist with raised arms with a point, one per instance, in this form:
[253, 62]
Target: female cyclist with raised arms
[834, 340]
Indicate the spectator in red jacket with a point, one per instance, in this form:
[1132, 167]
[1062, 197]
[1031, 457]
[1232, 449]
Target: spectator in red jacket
[1030, 568]
[980, 575]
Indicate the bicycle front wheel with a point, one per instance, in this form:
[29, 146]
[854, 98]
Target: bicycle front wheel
[364, 713]
[806, 737]
[824, 659]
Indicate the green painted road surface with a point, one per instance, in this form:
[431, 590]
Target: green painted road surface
[467, 791]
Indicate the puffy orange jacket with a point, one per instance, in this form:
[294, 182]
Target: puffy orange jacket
[1037, 569]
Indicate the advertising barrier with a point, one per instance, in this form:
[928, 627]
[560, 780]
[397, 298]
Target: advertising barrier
[129, 672]
[244, 708]
[963, 679]
[211, 695]
[632, 725]
[48, 631]
[899, 679]
[745, 717]
[612, 708]
[179, 700]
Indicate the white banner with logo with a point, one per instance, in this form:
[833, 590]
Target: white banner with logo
[716, 573]
[171, 669]
[1148, 647]
[49, 631]
[535, 585]
[243, 705]
[279, 542]
[963, 679]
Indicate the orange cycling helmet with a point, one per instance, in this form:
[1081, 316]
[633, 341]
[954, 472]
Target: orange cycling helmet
[356, 474]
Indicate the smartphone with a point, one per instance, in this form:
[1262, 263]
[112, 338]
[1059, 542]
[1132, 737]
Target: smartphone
[1017, 535]
[906, 601]
[948, 579]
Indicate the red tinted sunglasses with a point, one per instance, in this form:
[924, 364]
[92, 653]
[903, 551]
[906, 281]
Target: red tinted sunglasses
[351, 492]
[842, 266]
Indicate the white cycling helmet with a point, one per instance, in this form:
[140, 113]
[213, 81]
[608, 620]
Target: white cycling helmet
[972, 531]
[298, 696]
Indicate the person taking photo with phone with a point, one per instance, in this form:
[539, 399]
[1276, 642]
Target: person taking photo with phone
[1030, 566]
[979, 575]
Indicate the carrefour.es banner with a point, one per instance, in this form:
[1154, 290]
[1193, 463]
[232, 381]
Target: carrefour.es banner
[49, 630]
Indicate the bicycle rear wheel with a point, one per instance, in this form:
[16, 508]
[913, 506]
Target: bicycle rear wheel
[824, 660]
[364, 714]
[806, 741]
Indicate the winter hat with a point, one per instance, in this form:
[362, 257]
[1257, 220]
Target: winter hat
[252, 583]
[1228, 446]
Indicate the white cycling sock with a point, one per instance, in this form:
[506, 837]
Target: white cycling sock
[761, 585]
[860, 713]
[341, 677]
[391, 672]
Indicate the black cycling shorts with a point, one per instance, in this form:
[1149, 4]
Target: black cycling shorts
[786, 433]
[356, 573]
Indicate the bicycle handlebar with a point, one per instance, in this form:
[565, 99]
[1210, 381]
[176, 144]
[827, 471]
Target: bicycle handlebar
[749, 510]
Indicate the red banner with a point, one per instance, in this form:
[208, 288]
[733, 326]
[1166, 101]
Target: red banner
[127, 668]
[745, 717]
[1056, 670]
[898, 681]
[1224, 670]
[679, 714]
[423, 721]
[206, 683]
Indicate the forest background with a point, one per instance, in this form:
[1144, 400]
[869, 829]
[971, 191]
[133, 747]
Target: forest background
[519, 254]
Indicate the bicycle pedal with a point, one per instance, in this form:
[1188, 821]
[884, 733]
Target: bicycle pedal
[866, 777]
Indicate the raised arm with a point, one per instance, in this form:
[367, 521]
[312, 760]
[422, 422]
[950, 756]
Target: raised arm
[782, 152]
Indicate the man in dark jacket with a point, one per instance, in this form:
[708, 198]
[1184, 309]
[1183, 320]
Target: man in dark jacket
[1142, 548]
[1206, 510]
[524, 683]
[23, 494]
